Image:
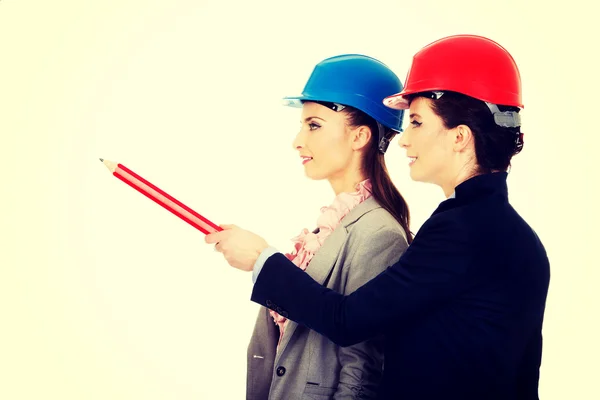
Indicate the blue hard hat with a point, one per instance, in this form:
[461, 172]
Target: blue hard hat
[357, 81]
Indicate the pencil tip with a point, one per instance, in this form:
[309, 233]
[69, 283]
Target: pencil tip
[102, 160]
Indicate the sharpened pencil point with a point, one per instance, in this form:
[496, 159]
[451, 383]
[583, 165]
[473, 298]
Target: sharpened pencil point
[112, 166]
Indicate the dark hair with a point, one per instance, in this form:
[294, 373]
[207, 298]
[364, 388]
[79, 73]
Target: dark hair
[384, 190]
[494, 145]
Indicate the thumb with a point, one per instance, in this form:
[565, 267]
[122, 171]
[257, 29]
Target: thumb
[227, 226]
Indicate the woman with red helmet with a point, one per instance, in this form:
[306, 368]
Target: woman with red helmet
[462, 310]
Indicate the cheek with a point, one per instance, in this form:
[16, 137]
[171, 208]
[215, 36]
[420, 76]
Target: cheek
[431, 149]
[331, 145]
[438, 154]
[332, 153]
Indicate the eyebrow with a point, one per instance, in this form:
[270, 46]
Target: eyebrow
[312, 117]
[414, 115]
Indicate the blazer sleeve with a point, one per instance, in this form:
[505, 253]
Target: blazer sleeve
[362, 364]
[428, 274]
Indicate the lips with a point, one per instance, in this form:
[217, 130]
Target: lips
[305, 159]
[411, 160]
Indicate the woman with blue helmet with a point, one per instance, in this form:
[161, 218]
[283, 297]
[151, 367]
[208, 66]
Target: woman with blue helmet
[345, 131]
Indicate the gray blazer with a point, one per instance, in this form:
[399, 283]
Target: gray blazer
[308, 365]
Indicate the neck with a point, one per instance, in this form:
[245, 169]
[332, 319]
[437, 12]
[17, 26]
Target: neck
[464, 174]
[347, 182]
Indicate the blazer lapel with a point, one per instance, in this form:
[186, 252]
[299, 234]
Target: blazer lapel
[324, 259]
[322, 263]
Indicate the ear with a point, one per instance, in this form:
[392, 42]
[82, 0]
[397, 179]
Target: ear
[462, 138]
[360, 137]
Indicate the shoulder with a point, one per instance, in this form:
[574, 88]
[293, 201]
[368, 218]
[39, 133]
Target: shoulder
[373, 219]
[481, 220]
[376, 233]
[473, 229]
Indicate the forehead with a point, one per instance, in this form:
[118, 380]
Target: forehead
[421, 107]
[312, 109]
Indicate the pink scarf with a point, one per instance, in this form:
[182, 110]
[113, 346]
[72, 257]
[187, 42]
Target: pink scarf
[307, 243]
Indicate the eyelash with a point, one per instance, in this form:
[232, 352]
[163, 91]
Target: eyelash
[313, 126]
[416, 124]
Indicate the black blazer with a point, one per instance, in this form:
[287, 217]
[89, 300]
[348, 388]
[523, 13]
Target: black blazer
[461, 311]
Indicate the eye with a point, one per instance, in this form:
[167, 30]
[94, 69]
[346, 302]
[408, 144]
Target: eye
[313, 126]
[416, 124]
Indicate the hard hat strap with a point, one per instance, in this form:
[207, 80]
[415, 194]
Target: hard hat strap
[384, 141]
[334, 106]
[506, 119]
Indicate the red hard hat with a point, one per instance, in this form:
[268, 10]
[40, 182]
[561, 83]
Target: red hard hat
[467, 64]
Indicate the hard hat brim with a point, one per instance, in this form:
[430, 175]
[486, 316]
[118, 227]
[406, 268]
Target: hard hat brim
[396, 101]
[359, 102]
[296, 101]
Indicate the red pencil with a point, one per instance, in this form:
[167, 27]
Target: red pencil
[161, 198]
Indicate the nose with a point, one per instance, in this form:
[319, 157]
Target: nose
[402, 140]
[298, 142]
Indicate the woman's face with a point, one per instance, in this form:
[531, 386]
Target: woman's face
[324, 142]
[428, 144]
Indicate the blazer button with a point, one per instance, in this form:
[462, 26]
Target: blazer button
[280, 371]
[269, 303]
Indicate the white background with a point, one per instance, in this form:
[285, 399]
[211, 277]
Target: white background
[105, 295]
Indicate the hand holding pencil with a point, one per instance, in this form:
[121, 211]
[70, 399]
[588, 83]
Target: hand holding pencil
[240, 247]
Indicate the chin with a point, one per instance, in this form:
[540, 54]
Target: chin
[417, 176]
[414, 175]
[314, 175]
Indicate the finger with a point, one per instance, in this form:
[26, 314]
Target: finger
[216, 237]
[228, 226]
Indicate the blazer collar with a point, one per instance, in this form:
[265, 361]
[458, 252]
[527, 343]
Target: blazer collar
[479, 186]
[354, 215]
[322, 262]
[483, 185]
